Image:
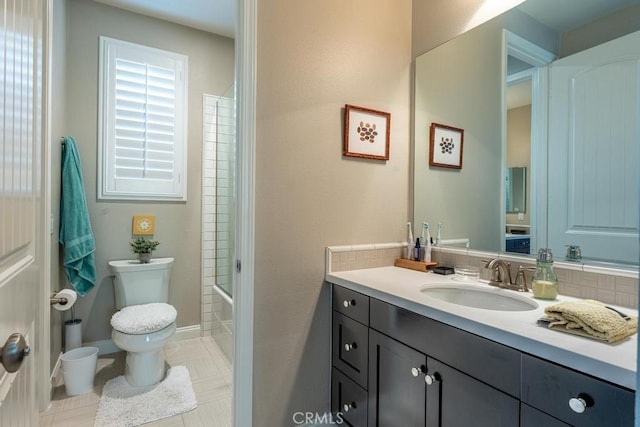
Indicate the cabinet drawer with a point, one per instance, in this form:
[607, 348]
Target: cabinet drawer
[351, 303]
[350, 348]
[550, 387]
[348, 400]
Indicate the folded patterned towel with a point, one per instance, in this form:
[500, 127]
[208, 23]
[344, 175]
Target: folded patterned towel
[592, 319]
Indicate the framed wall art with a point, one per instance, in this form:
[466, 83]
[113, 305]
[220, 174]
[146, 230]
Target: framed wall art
[445, 148]
[366, 133]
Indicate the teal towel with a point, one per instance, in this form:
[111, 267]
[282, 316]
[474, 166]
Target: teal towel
[75, 229]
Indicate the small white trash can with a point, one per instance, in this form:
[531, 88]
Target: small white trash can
[79, 369]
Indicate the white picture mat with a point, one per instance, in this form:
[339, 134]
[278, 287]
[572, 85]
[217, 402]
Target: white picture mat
[446, 158]
[379, 146]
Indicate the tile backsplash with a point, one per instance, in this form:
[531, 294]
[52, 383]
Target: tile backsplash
[609, 285]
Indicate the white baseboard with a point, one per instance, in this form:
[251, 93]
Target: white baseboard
[187, 332]
[104, 346]
[56, 377]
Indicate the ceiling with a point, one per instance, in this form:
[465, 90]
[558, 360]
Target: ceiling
[219, 16]
[213, 16]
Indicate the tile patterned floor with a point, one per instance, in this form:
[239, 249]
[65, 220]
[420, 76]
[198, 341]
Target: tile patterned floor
[210, 372]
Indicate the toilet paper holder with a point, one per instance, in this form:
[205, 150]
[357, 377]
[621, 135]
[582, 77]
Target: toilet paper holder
[53, 299]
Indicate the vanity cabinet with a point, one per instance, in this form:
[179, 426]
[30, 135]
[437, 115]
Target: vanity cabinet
[421, 372]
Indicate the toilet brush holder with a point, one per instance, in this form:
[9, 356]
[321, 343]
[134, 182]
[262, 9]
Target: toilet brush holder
[72, 334]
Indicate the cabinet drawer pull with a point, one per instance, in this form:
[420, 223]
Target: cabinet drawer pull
[417, 371]
[349, 347]
[348, 407]
[581, 403]
[348, 303]
[429, 379]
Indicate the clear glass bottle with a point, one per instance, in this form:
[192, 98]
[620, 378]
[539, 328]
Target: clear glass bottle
[545, 282]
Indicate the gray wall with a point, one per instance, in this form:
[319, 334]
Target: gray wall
[178, 225]
[313, 58]
[603, 30]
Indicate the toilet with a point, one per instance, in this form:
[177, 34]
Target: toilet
[144, 322]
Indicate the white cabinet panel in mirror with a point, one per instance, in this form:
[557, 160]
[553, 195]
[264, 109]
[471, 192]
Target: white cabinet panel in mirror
[465, 82]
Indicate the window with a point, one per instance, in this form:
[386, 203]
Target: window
[142, 123]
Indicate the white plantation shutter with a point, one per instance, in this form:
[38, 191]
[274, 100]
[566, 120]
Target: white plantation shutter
[142, 128]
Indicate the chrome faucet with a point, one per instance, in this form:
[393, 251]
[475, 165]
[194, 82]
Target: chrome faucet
[501, 275]
[521, 281]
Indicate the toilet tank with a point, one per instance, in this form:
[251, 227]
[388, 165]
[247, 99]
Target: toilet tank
[135, 283]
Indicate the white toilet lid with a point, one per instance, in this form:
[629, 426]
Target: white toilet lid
[144, 318]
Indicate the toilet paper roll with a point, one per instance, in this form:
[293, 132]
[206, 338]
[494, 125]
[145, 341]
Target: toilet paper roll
[71, 297]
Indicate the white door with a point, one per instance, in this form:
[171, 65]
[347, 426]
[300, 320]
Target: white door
[21, 199]
[594, 135]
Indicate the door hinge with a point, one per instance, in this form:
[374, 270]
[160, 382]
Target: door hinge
[238, 266]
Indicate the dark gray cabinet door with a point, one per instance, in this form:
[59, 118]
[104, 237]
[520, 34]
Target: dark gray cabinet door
[455, 399]
[396, 383]
[531, 417]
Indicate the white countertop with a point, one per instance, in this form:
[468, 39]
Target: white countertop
[518, 329]
[513, 236]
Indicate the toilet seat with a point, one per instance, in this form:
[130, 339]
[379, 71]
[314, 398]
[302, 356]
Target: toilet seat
[144, 318]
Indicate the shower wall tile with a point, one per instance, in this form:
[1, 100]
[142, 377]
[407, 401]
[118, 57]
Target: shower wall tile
[217, 206]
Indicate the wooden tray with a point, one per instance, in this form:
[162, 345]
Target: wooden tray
[415, 265]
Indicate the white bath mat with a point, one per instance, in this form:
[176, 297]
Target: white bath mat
[124, 405]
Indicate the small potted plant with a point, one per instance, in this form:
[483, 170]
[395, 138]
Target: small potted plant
[143, 248]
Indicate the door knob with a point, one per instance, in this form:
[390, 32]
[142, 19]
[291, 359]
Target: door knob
[349, 347]
[15, 349]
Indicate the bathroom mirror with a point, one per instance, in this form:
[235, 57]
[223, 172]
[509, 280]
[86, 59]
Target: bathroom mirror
[462, 84]
[516, 190]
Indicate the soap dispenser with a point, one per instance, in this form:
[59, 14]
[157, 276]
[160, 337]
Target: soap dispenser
[545, 282]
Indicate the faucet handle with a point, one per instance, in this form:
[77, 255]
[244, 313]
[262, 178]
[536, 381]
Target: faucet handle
[521, 281]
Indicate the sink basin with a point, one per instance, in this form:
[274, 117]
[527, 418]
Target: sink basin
[487, 299]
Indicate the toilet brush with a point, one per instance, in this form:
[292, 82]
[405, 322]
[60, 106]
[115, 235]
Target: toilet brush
[72, 332]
